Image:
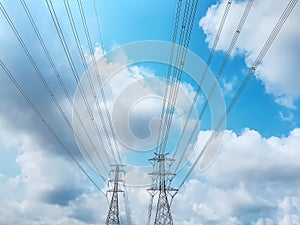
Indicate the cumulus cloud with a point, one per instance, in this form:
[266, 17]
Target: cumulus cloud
[279, 69]
[286, 118]
[254, 180]
[134, 99]
[48, 190]
[43, 181]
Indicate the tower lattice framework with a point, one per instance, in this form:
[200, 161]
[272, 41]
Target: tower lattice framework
[117, 174]
[160, 177]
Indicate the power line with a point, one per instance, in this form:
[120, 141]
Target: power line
[185, 35]
[160, 162]
[172, 84]
[178, 69]
[37, 70]
[219, 74]
[114, 199]
[43, 119]
[83, 60]
[289, 8]
[74, 71]
[211, 54]
[173, 79]
[94, 63]
[98, 25]
[86, 30]
[58, 76]
[166, 91]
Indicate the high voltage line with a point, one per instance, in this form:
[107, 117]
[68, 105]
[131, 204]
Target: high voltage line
[211, 54]
[48, 126]
[160, 171]
[99, 83]
[76, 77]
[40, 74]
[45, 84]
[111, 215]
[288, 9]
[116, 147]
[219, 74]
[65, 46]
[183, 26]
[174, 38]
[98, 25]
[84, 63]
[178, 69]
[61, 82]
[172, 91]
[161, 130]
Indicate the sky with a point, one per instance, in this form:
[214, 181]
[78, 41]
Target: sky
[252, 176]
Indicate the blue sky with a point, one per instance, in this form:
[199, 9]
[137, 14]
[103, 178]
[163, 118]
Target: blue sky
[254, 179]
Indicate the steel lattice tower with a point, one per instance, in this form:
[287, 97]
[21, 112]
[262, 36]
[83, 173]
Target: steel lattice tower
[160, 176]
[117, 174]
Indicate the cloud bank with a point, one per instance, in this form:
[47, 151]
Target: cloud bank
[254, 180]
[279, 71]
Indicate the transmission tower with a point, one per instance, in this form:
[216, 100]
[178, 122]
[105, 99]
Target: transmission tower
[160, 177]
[117, 175]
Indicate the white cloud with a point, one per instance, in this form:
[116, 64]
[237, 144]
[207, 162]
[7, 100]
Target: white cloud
[46, 177]
[280, 68]
[290, 211]
[264, 221]
[286, 118]
[134, 99]
[228, 86]
[48, 190]
[254, 180]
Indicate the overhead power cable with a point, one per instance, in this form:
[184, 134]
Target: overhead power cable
[174, 74]
[178, 70]
[58, 76]
[102, 93]
[38, 72]
[161, 129]
[48, 126]
[83, 60]
[109, 121]
[287, 11]
[166, 91]
[74, 72]
[185, 35]
[218, 76]
[211, 54]
[98, 26]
